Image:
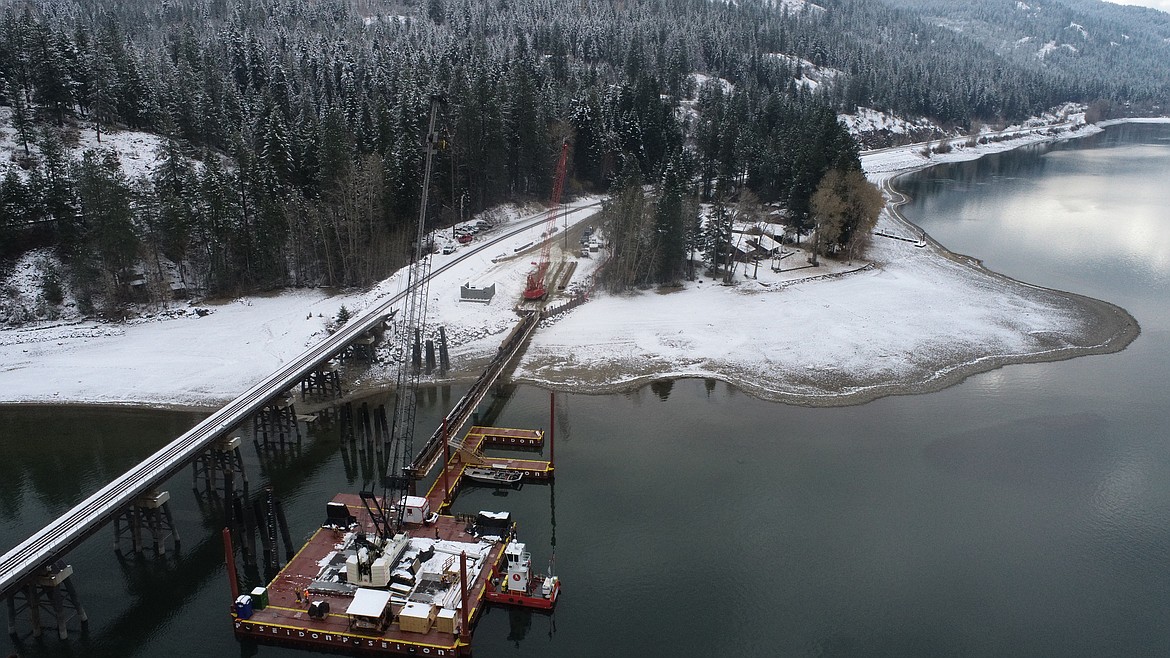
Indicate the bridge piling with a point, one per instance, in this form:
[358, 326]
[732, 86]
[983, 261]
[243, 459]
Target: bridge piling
[348, 461]
[345, 415]
[265, 538]
[444, 357]
[282, 524]
[380, 420]
[151, 512]
[215, 465]
[278, 417]
[244, 525]
[416, 353]
[430, 356]
[273, 530]
[43, 594]
[365, 418]
[324, 382]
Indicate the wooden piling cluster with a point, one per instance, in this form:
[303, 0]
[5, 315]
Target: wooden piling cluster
[150, 513]
[323, 383]
[263, 517]
[365, 434]
[50, 593]
[275, 425]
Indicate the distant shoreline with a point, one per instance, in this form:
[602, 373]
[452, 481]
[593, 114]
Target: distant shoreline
[1103, 328]
[1111, 328]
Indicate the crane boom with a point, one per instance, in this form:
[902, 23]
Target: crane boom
[397, 478]
[536, 287]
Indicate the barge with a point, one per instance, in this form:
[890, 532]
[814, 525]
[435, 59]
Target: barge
[353, 590]
[421, 597]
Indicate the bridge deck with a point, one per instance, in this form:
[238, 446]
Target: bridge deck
[72, 527]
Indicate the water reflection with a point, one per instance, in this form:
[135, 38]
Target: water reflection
[1021, 512]
[1081, 215]
[662, 388]
[54, 457]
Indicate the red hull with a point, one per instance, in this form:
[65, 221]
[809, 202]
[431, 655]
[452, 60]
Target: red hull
[338, 642]
[524, 600]
[494, 594]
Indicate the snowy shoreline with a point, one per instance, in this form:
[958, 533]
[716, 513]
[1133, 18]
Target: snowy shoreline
[1037, 325]
[910, 319]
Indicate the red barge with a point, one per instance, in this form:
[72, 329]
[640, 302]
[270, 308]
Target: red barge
[348, 590]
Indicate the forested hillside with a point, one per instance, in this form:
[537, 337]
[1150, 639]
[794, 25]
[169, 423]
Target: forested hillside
[292, 127]
[1100, 49]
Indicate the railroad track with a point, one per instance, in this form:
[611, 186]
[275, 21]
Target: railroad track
[86, 517]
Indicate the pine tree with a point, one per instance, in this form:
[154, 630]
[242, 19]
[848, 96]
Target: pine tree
[53, 80]
[102, 87]
[104, 204]
[214, 223]
[172, 187]
[52, 184]
[628, 231]
[669, 226]
[22, 120]
[18, 208]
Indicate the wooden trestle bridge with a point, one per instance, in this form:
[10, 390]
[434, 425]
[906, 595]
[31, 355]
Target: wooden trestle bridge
[29, 562]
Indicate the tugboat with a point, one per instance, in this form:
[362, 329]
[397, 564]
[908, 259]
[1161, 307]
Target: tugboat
[513, 584]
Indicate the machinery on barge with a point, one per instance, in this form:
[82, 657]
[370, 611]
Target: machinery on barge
[418, 592]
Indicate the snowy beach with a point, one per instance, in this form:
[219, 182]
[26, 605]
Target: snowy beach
[911, 317]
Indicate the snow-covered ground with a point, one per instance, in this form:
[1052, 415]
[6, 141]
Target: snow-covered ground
[866, 120]
[916, 318]
[811, 75]
[135, 150]
[205, 355]
[909, 318]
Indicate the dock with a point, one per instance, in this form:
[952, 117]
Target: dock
[467, 451]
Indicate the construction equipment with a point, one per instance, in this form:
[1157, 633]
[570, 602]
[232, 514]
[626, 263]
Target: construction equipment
[536, 287]
[398, 480]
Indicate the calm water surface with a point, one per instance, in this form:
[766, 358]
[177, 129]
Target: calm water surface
[1022, 512]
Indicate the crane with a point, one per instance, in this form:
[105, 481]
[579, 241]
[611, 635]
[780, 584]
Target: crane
[536, 287]
[397, 480]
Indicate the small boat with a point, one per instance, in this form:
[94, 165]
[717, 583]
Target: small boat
[493, 475]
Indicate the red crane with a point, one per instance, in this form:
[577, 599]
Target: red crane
[536, 288]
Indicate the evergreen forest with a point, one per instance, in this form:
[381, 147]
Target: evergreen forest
[292, 128]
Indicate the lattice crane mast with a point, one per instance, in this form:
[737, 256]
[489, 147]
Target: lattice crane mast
[400, 453]
[536, 287]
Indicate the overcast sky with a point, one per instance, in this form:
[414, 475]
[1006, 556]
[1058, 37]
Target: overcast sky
[1164, 5]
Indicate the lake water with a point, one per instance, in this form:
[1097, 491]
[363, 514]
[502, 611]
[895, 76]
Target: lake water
[1022, 512]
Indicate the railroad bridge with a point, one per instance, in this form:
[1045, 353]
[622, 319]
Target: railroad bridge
[34, 569]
